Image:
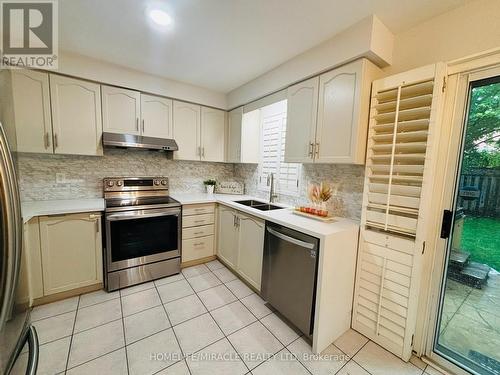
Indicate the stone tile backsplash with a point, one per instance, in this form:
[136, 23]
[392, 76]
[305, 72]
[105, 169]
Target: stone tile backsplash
[349, 180]
[46, 177]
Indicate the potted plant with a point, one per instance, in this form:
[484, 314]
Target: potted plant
[210, 185]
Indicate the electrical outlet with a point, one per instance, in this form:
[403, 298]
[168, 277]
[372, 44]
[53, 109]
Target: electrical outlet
[60, 178]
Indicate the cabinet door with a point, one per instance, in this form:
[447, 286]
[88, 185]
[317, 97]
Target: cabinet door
[302, 109]
[339, 96]
[227, 236]
[235, 118]
[121, 110]
[187, 130]
[76, 116]
[31, 99]
[156, 113]
[251, 249]
[251, 134]
[213, 125]
[71, 250]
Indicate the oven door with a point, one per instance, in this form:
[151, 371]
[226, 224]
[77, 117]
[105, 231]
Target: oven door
[138, 237]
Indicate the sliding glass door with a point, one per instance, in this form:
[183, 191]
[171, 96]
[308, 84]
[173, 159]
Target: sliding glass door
[468, 327]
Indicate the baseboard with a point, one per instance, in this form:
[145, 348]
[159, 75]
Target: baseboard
[66, 294]
[198, 261]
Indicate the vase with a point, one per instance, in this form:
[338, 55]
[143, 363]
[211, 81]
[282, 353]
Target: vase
[210, 189]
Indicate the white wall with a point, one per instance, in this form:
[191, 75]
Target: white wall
[368, 38]
[97, 70]
[466, 30]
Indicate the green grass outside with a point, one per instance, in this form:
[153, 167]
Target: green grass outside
[481, 238]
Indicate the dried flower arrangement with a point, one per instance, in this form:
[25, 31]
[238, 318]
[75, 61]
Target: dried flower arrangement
[318, 195]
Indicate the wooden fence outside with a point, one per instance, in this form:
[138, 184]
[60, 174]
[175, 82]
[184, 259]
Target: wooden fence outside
[479, 193]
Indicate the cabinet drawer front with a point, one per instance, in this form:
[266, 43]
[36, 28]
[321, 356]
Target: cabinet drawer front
[197, 220]
[198, 209]
[197, 248]
[195, 232]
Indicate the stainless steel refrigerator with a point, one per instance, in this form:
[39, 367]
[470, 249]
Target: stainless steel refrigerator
[15, 328]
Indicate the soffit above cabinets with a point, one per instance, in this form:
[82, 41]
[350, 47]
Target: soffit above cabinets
[221, 45]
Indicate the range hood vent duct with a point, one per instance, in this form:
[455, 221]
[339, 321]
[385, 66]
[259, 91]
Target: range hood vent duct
[138, 141]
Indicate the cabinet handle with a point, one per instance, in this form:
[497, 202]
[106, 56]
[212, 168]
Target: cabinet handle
[137, 123]
[56, 143]
[96, 226]
[203, 151]
[143, 125]
[197, 233]
[198, 244]
[311, 149]
[199, 221]
[316, 149]
[199, 151]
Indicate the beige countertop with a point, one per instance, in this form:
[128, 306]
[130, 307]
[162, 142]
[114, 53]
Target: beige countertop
[284, 217]
[31, 209]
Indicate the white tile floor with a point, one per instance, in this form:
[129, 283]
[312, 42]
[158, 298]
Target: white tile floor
[203, 321]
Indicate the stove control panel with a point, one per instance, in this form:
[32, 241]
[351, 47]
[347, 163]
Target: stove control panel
[135, 183]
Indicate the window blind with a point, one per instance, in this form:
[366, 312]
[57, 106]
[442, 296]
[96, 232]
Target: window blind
[273, 154]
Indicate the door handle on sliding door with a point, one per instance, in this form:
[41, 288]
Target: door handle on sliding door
[446, 224]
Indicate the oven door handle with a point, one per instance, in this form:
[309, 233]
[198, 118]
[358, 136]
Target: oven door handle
[131, 216]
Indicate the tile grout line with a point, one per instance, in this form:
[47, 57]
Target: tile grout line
[173, 331]
[366, 343]
[172, 326]
[124, 336]
[72, 334]
[223, 333]
[257, 320]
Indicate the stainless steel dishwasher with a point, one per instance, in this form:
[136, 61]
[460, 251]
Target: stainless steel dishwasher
[289, 274]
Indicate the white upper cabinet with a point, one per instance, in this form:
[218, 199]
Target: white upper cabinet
[76, 116]
[235, 118]
[328, 115]
[31, 106]
[302, 109]
[156, 116]
[243, 140]
[213, 124]
[121, 110]
[186, 130]
[199, 132]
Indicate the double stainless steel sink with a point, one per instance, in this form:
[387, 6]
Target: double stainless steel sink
[263, 206]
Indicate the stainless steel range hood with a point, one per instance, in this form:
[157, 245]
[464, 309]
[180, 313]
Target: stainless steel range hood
[138, 141]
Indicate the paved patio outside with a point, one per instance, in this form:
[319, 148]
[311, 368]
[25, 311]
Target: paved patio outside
[471, 318]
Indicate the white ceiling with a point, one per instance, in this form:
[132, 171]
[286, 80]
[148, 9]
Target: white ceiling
[221, 44]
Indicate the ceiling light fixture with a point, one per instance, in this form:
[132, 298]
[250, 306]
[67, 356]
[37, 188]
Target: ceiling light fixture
[160, 17]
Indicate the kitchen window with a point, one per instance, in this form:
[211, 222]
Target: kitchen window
[273, 133]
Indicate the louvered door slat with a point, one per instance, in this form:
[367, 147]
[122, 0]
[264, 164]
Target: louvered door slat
[399, 162]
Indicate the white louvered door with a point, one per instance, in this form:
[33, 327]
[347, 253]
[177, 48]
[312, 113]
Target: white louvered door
[401, 153]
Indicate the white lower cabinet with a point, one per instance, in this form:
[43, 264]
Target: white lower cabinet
[197, 231]
[227, 236]
[250, 249]
[71, 251]
[241, 244]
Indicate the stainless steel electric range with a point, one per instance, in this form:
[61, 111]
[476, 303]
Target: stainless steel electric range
[142, 231]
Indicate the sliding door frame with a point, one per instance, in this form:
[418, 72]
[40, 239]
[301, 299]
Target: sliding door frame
[453, 128]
